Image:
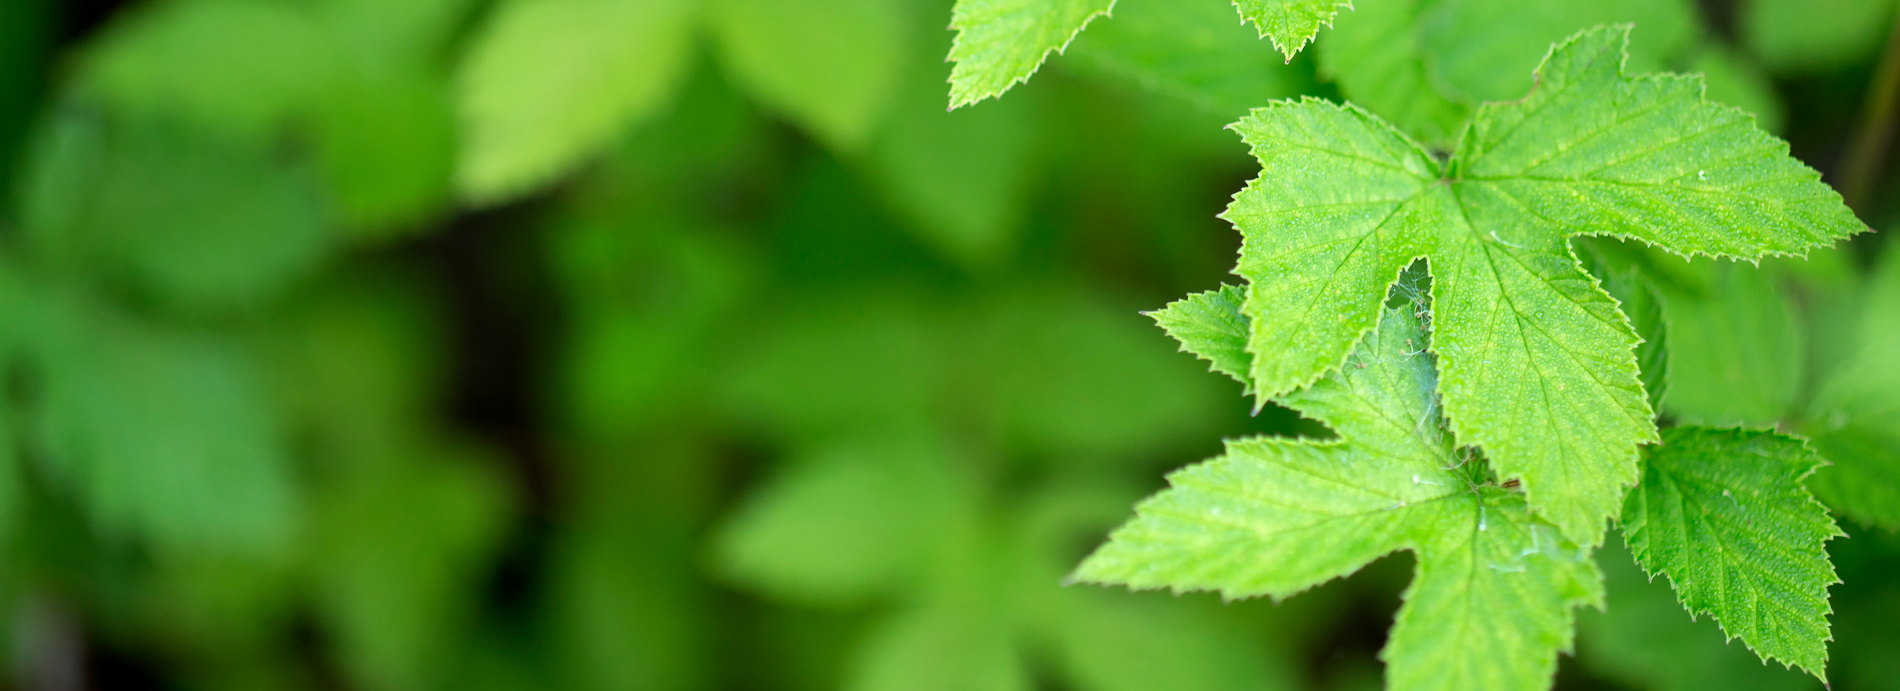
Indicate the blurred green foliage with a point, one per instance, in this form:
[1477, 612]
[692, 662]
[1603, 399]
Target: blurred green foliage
[692, 344]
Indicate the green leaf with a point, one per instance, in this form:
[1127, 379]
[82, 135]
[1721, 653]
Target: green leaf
[1001, 42]
[1491, 603]
[1814, 35]
[1724, 515]
[199, 221]
[1210, 326]
[1735, 80]
[1379, 61]
[960, 177]
[1483, 50]
[1290, 24]
[938, 647]
[1537, 361]
[386, 146]
[1737, 347]
[547, 83]
[830, 65]
[1644, 640]
[1855, 417]
[848, 524]
[1188, 50]
[161, 434]
[1637, 296]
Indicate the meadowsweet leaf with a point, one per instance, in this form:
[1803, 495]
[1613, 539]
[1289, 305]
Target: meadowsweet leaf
[1210, 326]
[1722, 512]
[1813, 35]
[1290, 24]
[829, 65]
[1188, 50]
[1536, 360]
[1001, 42]
[1245, 524]
[547, 83]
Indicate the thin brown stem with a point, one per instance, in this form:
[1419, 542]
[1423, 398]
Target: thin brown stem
[1867, 152]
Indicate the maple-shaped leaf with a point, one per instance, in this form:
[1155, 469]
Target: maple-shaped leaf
[1001, 42]
[1536, 359]
[1492, 600]
[1722, 512]
[1290, 24]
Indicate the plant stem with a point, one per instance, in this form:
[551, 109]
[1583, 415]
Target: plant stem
[1867, 152]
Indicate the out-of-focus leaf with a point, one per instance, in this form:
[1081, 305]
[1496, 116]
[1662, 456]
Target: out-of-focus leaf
[161, 434]
[830, 65]
[1645, 640]
[239, 67]
[1814, 35]
[197, 221]
[1636, 295]
[1188, 50]
[958, 176]
[844, 363]
[939, 648]
[626, 613]
[1001, 42]
[386, 144]
[1855, 416]
[849, 523]
[410, 32]
[547, 83]
[1735, 80]
[1116, 642]
[1485, 50]
[1073, 377]
[393, 545]
[1378, 58]
[1735, 350]
[25, 39]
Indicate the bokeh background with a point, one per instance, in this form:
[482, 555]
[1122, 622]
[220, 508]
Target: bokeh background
[691, 344]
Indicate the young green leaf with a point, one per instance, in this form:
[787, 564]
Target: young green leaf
[1537, 361]
[1001, 42]
[1290, 24]
[1724, 515]
[1491, 603]
[548, 82]
[1210, 326]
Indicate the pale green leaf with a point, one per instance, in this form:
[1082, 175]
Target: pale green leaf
[1290, 24]
[829, 65]
[1537, 361]
[1723, 514]
[547, 83]
[1379, 61]
[1210, 326]
[1001, 42]
[1110, 641]
[939, 647]
[1189, 50]
[1814, 35]
[1491, 602]
[1737, 348]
